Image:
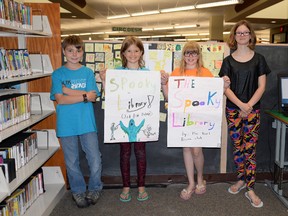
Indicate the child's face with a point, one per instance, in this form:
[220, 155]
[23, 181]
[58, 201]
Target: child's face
[73, 55]
[191, 58]
[132, 54]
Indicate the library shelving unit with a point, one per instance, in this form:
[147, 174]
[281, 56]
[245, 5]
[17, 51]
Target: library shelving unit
[42, 117]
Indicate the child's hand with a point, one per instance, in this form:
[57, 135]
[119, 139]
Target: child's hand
[91, 96]
[164, 77]
[227, 82]
[102, 74]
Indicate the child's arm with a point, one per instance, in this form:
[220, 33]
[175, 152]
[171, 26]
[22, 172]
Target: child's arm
[102, 74]
[71, 92]
[227, 82]
[77, 98]
[164, 83]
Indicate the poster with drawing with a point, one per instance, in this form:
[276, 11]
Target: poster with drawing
[195, 110]
[132, 103]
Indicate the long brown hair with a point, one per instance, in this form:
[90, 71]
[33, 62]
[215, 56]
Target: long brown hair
[191, 46]
[232, 43]
[128, 41]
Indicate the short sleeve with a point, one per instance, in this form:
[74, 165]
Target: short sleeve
[263, 67]
[225, 68]
[56, 87]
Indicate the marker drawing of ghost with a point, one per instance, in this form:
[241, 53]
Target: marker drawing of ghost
[132, 130]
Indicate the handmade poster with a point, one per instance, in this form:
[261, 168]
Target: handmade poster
[195, 109]
[132, 106]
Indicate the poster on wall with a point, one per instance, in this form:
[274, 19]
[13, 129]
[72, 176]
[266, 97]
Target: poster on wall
[132, 105]
[195, 109]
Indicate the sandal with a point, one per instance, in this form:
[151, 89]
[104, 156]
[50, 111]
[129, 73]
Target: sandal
[237, 189]
[251, 201]
[125, 197]
[201, 189]
[186, 194]
[142, 196]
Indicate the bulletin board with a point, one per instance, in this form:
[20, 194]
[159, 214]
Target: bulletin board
[158, 56]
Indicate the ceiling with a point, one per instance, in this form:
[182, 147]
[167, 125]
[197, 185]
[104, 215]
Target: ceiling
[91, 16]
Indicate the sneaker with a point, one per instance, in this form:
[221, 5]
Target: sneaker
[80, 200]
[93, 196]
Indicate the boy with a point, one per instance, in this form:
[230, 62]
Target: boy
[74, 89]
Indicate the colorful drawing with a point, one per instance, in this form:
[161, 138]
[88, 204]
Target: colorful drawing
[132, 130]
[195, 112]
[132, 98]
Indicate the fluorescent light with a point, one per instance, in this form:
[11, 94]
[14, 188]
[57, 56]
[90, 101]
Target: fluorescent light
[202, 34]
[147, 29]
[187, 26]
[157, 36]
[112, 32]
[164, 28]
[218, 4]
[118, 16]
[144, 37]
[85, 34]
[180, 39]
[195, 34]
[145, 13]
[177, 9]
[226, 33]
[173, 35]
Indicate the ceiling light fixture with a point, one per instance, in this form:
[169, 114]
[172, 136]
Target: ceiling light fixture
[146, 13]
[119, 16]
[147, 29]
[218, 4]
[187, 26]
[163, 28]
[195, 34]
[168, 10]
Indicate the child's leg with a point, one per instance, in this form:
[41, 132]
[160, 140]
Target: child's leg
[125, 153]
[140, 154]
[198, 159]
[71, 156]
[89, 143]
[189, 165]
[235, 126]
[250, 140]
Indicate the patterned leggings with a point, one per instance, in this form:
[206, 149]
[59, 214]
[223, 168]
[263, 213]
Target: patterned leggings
[125, 154]
[244, 135]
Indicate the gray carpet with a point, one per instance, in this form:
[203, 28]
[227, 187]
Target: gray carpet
[165, 201]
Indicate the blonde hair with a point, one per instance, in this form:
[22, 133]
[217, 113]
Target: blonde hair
[232, 43]
[128, 41]
[191, 46]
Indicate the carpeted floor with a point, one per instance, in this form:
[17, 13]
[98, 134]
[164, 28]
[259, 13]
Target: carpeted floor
[165, 201]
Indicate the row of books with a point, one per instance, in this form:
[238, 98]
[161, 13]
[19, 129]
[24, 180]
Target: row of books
[19, 201]
[22, 148]
[14, 63]
[14, 108]
[16, 14]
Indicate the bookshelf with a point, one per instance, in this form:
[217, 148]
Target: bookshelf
[37, 41]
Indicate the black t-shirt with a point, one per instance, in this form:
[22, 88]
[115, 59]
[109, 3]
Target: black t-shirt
[244, 77]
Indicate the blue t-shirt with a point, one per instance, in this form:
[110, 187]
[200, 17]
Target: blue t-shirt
[74, 119]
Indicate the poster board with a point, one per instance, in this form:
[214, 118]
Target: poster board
[195, 110]
[132, 106]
